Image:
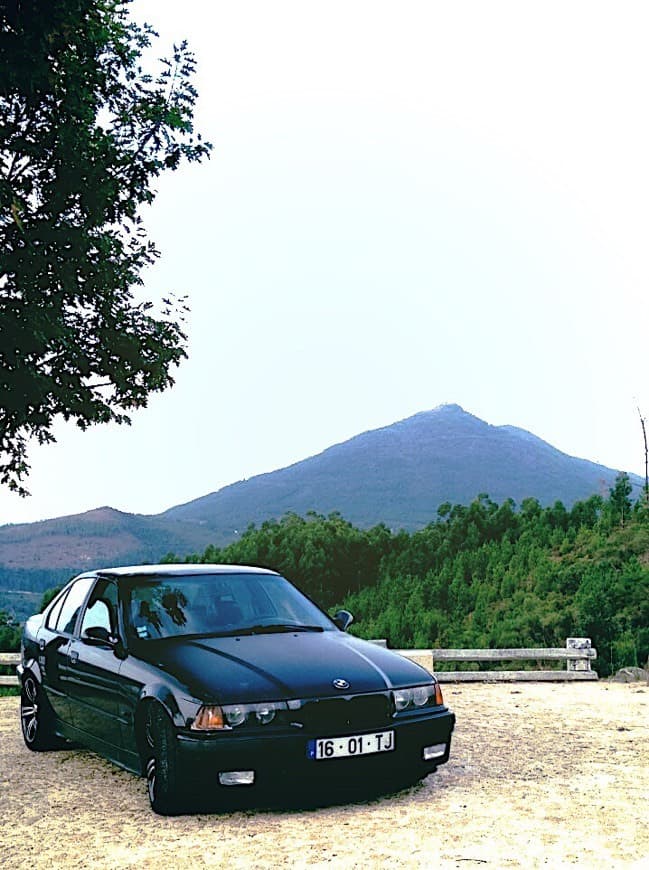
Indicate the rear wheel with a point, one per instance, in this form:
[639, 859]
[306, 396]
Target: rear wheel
[162, 777]
[37, 717]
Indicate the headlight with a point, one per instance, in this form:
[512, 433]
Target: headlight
[235, 715]
[212, 717]
[402, 699]
[265, 713]
[253, 714]
[418, 697]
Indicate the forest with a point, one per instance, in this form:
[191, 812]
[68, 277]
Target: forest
[479, 575]
[482, 575]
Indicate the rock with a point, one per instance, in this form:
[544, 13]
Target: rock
[631, 675]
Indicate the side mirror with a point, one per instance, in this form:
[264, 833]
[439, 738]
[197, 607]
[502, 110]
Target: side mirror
[97, 635]
[343, 619]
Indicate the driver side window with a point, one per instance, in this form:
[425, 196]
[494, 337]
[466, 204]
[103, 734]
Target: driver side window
[101, 611]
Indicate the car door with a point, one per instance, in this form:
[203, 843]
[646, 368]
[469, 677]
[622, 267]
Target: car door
[94, 666]
[54, 639]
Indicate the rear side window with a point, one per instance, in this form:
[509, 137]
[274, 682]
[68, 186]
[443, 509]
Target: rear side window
[53, 615]
[67, 615]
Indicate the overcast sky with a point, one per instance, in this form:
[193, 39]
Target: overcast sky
[407, 204]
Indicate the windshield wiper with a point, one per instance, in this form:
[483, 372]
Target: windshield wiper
[261, 628]
[278, 627]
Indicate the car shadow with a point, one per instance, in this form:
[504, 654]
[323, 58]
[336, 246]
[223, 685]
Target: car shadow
[297, 798]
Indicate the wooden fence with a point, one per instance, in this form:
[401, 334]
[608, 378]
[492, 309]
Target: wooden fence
[12, 658]
[578, 654]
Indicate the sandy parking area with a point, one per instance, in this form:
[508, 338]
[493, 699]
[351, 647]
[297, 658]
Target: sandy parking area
[540, 775]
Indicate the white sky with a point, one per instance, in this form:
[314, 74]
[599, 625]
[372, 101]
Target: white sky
[407, 204]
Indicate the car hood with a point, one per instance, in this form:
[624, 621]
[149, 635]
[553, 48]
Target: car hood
[282, 666]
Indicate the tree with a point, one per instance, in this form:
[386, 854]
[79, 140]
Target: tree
[49, 595]
[84, 133]
[619, 502]
[646, 458]
[9, 633]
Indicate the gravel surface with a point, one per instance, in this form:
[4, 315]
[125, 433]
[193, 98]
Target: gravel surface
[540, 775]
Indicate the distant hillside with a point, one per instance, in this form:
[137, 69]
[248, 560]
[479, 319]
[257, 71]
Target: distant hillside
[397, 475]
[400, 474]
[35, 555]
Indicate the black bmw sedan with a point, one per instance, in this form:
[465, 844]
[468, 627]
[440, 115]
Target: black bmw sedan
[205, 678]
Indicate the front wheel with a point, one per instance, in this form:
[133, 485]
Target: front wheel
[37, 717]
[162, 776]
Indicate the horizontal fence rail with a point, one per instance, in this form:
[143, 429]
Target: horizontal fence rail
[578, 654]
[12, 658]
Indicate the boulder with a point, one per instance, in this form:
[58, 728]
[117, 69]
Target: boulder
[631, 675]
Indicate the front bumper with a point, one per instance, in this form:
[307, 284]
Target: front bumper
[280, 757]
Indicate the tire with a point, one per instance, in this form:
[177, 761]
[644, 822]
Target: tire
[37, 717]
[161, 768]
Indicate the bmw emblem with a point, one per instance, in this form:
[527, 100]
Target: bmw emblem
[340, 684]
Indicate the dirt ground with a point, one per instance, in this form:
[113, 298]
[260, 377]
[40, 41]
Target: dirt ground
[540, 774]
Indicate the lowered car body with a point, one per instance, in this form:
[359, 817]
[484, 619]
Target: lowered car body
[205, 677]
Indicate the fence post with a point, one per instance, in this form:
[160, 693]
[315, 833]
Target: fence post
[578, 643]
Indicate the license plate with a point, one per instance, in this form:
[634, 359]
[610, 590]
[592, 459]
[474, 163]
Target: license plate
[323, 748]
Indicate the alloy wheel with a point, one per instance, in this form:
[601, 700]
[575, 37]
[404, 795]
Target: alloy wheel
[150, 737]
[150, 778]
[29, 703]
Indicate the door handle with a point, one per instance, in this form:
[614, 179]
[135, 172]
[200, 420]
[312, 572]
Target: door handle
[74, 657]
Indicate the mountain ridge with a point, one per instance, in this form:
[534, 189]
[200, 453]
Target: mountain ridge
[376, 453]
[397, 474]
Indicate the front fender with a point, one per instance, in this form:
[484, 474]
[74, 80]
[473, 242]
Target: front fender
[33, 667]
[178, 709]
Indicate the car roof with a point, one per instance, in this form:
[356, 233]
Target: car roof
[177, 570]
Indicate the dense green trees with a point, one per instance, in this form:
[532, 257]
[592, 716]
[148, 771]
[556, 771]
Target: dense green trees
[328, 554]
[85, 131]
[482, 575]
[10, 633]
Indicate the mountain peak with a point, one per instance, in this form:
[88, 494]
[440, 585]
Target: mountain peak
[449, 408]
[399, 474]
[446, 409]
[448, 416]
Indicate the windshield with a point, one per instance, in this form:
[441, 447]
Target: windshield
[219, 604]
